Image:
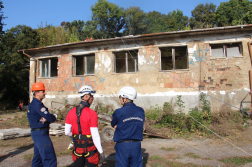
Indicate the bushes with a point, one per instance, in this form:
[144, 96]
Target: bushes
[179, 122]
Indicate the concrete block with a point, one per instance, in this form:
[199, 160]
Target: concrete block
[55, 126]
[14, 133]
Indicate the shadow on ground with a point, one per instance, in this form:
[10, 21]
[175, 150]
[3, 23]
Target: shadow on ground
[16, 151]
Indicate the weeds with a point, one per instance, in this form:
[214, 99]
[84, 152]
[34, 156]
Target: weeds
[192, 155]
[167, 149]
[156, 157]
[222, 122]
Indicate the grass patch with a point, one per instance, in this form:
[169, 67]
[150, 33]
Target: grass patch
[167, 149]
[237, 160]
[28, 156]
[191, 155]
[157, 165]
[156, 157]
[21, 122]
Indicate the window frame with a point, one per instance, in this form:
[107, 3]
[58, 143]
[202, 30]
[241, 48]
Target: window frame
[173, 58]
[127, 54]
[84, 64]
[49, 72]
[224, 48]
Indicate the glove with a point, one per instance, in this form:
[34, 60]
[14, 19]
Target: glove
[102, 157]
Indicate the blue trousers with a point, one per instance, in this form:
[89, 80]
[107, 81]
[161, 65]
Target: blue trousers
[44, 154]
[128, 154]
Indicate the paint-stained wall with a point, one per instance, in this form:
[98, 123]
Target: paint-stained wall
[224, 79]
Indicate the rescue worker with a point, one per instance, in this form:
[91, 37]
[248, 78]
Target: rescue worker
[82, 124]
[39, 119]
[128, 121]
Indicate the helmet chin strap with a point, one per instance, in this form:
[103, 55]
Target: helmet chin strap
[123, 101]
[87, 99]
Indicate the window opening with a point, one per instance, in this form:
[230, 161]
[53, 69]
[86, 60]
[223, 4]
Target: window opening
[48, 67]
[126, 61]
[84, 65]
[226, 50]
[174, 58]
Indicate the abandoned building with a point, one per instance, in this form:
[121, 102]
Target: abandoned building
[215, 61]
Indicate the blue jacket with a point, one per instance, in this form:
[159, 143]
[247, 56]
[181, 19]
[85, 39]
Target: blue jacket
[36, 111]
[129, 120]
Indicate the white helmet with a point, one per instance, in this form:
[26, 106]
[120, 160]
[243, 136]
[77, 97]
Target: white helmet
[84, 90]
[128, 92]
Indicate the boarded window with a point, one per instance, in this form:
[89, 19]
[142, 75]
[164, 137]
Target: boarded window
[226, 50]
[174, 58]
[84, 65]
[126, 61]
[48, 67]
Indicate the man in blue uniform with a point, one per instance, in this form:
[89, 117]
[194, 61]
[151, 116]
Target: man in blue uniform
[128, 121]
[39, 119]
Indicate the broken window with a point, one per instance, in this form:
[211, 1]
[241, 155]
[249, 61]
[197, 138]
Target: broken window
[226, 50]
[84, 65]
[126, 61]
[48, 67]
[174, 58]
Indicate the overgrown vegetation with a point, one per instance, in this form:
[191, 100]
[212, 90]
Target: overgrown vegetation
[197, 120]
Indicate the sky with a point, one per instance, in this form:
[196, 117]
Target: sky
[35, 13]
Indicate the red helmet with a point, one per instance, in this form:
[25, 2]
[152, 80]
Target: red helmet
[38, 86]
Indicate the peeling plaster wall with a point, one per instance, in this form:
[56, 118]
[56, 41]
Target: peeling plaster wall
[223, 79]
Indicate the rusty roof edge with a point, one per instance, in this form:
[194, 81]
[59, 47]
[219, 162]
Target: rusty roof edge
[137, 36]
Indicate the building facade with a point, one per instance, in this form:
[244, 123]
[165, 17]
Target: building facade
[215, 61]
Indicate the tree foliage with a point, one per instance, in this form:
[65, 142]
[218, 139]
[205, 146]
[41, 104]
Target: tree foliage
[14, 67]
[136, 22]
[52, 35]
[175, 20]
[108, 18]
[155, 22]
[1, 18]
[203, 16]
[234, 12]
[76, 29]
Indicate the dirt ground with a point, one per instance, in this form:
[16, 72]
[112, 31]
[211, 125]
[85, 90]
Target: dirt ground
[156, 152]
[196, 151]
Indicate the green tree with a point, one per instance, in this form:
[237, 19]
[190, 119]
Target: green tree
[14, 67]
[155, 22]
[1, 18]
[136, 21]
[203, 16]
[108, 17]
[90, 30]
[234, 12]
[75, 27]
[175, 20]
[52, 35]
